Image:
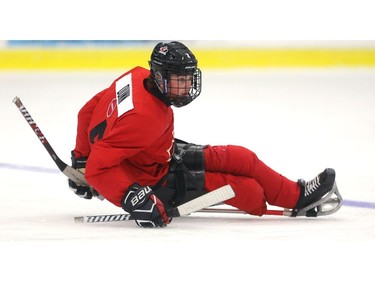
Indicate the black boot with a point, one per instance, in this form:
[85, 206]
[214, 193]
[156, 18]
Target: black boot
[312, 191]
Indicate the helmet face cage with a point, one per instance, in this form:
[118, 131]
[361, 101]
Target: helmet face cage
[175, 72]
[182, 89]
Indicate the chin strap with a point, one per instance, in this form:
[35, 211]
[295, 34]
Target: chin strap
[152, 88]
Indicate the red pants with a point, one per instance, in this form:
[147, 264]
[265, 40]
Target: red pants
[253, 182]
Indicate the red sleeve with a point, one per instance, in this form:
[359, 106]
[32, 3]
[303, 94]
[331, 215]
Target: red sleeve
[105, 166]
[82, 148]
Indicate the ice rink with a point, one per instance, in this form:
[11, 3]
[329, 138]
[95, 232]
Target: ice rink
[298, 121]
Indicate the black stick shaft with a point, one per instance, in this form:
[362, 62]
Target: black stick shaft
[25, 113]
[67, 170]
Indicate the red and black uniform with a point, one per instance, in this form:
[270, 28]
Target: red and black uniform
[127, 134]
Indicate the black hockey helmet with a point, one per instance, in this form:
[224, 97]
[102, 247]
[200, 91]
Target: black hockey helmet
[174, 58]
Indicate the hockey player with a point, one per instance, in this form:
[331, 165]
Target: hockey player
[125, 143]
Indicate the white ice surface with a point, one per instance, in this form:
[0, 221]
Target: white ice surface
[298, 121]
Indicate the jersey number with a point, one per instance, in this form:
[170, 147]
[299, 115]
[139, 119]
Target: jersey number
[98, 131]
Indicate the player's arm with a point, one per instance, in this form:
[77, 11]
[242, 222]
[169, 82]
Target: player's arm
[106, 166]
[82, 147]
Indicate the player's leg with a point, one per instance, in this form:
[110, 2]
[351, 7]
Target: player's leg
[278, 190]
[239, 161]
[249, 194]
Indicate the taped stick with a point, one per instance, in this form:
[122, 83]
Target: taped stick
[211, 198]
[214, 210]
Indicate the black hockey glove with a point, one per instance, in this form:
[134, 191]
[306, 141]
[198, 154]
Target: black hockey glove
[147, 209]
[80, 190]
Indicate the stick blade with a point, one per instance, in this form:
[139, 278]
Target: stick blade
[211, 198]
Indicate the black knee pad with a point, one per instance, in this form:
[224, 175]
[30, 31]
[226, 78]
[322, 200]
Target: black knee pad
[190, 185]
[178, 191]
[185, 179]
[193, 156]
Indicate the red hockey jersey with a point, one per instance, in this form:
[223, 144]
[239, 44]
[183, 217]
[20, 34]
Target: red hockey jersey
[127, 134]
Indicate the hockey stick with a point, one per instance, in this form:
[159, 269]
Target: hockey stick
[310, 211]
[67, 170]
[211, 198]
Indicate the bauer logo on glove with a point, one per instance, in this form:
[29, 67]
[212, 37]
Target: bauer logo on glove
[140, 196]
[147, 209]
